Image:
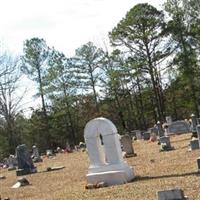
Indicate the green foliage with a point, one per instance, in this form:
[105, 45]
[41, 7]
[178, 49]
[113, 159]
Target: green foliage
[4, 147]
[181, 27]
[34, 58]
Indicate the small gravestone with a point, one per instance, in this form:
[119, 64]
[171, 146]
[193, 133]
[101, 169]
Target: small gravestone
[12, 162]
[194, 144]
[132, 133]
[49, 153]
[165, 144]
[35, 155]
[146, 135]
[165, 127]
[138, 134]
[25, 163]
[173, 194]
[168, 120]
[160, 129]
[194, 125]
[127, 146]
[198, 132]
[198, 164]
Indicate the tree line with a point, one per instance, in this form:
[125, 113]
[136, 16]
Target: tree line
[152, 71]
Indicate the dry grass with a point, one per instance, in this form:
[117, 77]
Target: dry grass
[154, 171]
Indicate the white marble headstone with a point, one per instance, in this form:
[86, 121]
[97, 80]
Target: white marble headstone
[106, 161]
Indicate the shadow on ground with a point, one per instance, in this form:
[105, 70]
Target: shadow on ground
[143, 178]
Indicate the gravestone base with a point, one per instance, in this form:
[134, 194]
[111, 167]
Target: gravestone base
[164, 147]
[21, 172]
[111, 174]
[194, 144]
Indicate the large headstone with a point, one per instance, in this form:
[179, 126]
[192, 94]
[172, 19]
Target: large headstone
[25, 163]
[106, 161]
[178, 127]
[127, 146]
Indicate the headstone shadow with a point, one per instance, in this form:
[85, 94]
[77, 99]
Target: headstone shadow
[143, 178]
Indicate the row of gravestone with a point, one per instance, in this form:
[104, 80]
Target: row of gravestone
[125, 141]
[105, 153]
[171, 127]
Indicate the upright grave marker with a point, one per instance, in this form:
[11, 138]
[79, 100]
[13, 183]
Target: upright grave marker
[127, 146]
[198, 132]
[168, 120]
[194, 125]
[160, 129]
[25, 163]
[12, 162]
[138, 134]
[35, 155]
[106, 161]
[194, 143]
[165, 144]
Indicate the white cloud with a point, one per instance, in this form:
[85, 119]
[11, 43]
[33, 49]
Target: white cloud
[65, 24]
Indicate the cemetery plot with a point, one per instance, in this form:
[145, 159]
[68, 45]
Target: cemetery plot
[154, 172]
